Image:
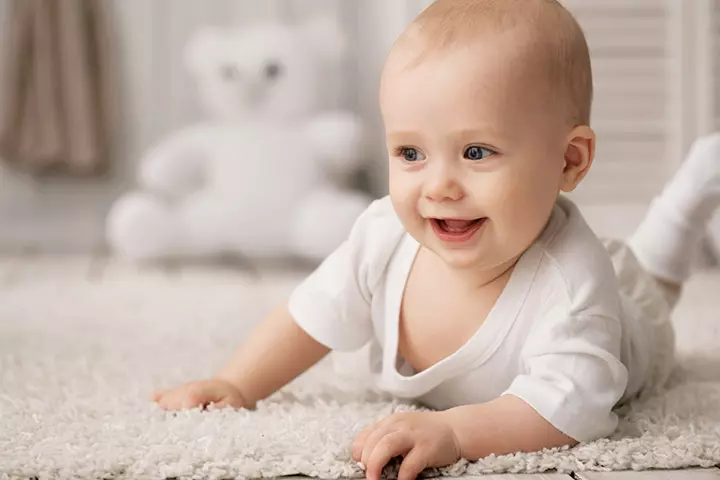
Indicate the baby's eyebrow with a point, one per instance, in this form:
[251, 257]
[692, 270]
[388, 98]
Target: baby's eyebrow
[480, 132]
[405, 135]
[484, 133]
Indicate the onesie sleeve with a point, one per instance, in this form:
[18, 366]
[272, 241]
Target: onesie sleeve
[333, 304]
[573, 376]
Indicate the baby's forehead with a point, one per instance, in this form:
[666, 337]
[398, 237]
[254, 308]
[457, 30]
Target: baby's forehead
[474, 85]
[535, 46]
[511, 51]
[494, 63]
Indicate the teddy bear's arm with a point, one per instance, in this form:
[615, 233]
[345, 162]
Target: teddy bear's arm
[175, 166]
[336, 139]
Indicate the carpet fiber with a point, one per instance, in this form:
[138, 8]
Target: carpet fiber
[79, 359]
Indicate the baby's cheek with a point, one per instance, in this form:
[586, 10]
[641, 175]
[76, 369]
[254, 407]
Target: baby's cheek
[507, 198]
[520, 214]
[408, 213]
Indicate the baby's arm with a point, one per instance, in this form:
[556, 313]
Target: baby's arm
[573, 380]
[501, 426]
[276, 352]
[438, 439]
[329, 310]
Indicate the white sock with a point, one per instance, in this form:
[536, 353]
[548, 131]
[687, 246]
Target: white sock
[665, 244]
[669, 236]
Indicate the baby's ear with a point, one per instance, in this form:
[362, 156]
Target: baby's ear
[201, 48]
[324, 35]
[579, 155]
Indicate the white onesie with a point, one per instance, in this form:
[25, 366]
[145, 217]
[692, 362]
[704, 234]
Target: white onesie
[561, 336]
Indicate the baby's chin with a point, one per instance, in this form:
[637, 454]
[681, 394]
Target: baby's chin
[485, 254]
[461, 259]
[473, 256]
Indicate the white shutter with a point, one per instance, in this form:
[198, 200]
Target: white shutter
[713, 52]
[631, 55]
[711, 90]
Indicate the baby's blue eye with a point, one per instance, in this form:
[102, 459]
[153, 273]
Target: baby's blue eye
[411, 154]
[477, 153]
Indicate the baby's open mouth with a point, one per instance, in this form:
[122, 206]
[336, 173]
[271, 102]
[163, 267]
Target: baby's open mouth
[456, 230]
[455, 226]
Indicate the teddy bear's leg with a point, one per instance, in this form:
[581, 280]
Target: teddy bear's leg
[140, 227]
[324, 220]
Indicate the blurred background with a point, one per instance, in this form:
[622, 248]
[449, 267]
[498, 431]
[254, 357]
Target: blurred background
[656, 78]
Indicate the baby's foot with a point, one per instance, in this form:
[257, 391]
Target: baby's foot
[669, 237]
[694, 192]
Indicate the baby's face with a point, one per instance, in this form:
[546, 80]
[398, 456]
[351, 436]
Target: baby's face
[476, 158]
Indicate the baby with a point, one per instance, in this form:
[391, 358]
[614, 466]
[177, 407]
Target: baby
[481, 289]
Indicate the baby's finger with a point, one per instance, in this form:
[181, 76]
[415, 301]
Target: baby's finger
[359, 443]
[393, 445]
[191, 400]
[157, 395]
[415, 462]
[170, 399]
[378, 432]
[225, 402]
[164, 403]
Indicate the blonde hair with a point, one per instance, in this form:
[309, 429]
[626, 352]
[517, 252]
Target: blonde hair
[554, 41]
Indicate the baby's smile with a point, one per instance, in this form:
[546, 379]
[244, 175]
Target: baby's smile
[454, 230]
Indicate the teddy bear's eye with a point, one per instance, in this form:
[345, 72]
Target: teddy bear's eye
[273, 70]
[229, 72]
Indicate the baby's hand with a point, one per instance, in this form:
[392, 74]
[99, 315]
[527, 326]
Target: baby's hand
[200, 394]
[424, 439]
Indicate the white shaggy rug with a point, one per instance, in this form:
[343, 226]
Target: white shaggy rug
[79, 359]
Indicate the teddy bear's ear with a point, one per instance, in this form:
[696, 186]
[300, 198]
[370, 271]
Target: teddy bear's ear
[200, 47]
[325, 36]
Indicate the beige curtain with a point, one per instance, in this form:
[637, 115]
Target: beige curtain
[57, 91]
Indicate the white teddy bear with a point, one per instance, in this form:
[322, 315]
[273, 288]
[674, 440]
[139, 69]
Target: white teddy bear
[263, 177]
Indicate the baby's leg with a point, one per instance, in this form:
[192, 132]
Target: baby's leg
[672, 232]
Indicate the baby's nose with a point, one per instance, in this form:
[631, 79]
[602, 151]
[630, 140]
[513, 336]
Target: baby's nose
[443, 184]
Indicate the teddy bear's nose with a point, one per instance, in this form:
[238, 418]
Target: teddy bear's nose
[272, 70]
